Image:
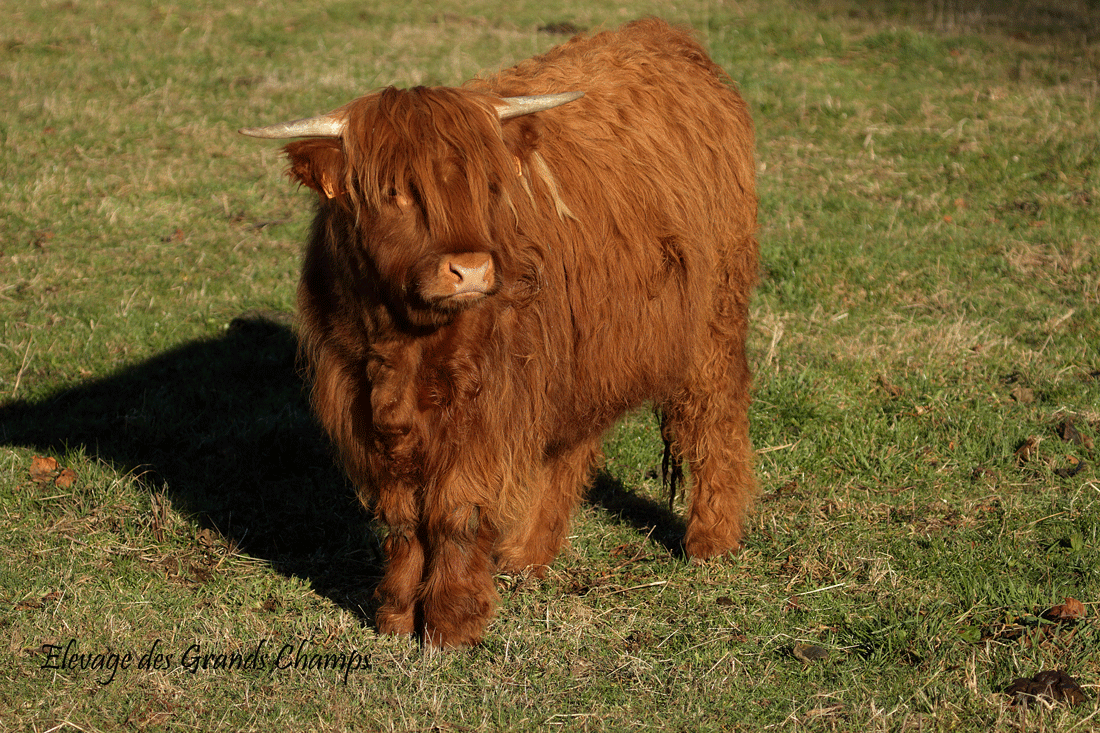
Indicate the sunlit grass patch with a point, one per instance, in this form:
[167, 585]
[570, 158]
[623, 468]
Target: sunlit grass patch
[926, 327]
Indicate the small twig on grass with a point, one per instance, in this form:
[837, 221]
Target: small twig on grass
[637, 587]
[1043, 519]
[819, 590]
[260, 225]
[777, 334]
[1082, 722]
[715, 665]
[64, 724]
[777, 447]
[22, 367]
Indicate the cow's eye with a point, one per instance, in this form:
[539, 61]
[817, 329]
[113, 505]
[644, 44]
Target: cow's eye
[398, 197]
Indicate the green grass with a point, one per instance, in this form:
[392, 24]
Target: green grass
[930, 301]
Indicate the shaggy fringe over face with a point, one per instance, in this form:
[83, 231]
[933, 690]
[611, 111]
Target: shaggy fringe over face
[445, 142]
[620, 229]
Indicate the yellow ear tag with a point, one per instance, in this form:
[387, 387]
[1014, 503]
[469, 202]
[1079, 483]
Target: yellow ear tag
[330, 187]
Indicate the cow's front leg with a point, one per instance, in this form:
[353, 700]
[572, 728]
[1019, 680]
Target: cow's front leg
[404, 549]
[458, 595]
[535, 539]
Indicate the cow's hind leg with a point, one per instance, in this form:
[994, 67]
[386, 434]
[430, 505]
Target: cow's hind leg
[709, 421]
[537, 536]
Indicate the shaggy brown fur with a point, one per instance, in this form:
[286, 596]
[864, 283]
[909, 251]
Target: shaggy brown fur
[608, 250]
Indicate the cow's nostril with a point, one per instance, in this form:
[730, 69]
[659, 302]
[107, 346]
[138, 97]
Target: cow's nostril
[470, 272]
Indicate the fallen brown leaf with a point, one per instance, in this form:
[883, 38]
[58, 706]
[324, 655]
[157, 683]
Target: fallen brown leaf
[892, 389]
[809, 653]
[1069, 432]
[1069, 610]
[637, 640]
[1072, 470]
[1053, 685]
[1027, 450]
[201, 574]
[33, 603]
[1023, 395]
[982, 472]
[207, 538]
[65, 479]
[43, 469]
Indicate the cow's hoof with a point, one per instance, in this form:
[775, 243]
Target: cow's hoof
[393, 621]
[700, 548]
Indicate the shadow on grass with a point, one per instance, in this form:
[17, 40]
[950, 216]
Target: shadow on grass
[650, 518]
[223, 428]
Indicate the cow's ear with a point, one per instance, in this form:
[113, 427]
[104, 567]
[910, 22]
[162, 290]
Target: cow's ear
[522, 135]
[319, 164]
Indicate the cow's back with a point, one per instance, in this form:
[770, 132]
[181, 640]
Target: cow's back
[655, 164]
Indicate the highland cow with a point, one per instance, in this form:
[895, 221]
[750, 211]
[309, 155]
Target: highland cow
[497, 272]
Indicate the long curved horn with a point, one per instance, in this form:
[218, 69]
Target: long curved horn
[332, 124]
[326, 125]
[510, 107]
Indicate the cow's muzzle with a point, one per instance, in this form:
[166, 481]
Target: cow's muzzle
[465, 276]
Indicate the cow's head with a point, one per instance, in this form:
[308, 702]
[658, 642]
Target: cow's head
[429, 180]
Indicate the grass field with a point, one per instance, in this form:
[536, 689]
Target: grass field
[926, 345]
